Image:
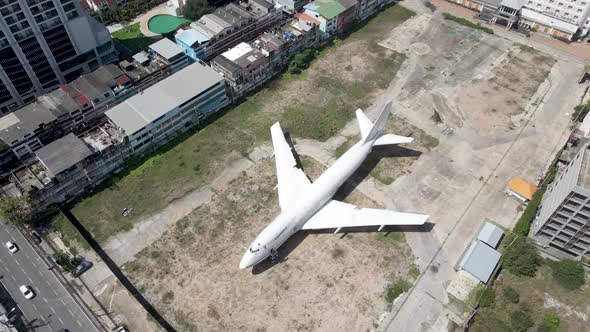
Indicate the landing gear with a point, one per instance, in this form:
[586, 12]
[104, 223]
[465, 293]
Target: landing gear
[274, 256]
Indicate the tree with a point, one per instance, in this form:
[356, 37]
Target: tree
[521, 258]
[568, 273]
[520, 321]
[194, 9]
[511, 295]
[16, 210]
[550, 323]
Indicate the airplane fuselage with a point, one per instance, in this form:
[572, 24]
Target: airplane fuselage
[292, 218]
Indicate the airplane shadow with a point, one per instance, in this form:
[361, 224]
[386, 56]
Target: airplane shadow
[378, 153]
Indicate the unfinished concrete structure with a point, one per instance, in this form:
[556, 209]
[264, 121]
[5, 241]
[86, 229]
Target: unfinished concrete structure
[562, 226]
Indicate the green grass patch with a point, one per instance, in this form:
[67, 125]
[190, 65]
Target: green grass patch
[396, 289]
[132, 38]
[467, 23]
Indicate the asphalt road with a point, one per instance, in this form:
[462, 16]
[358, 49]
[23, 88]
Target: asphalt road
[52, 308]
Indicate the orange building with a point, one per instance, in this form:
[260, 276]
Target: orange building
[522, 189]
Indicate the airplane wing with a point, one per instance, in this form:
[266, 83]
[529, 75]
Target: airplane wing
[291, 180]
[337, 214]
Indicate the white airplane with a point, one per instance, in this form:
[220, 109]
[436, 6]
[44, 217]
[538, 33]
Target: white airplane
[306, 205]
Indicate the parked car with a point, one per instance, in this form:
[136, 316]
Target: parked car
[81, 268]
[27, 292]
[11, 247]
[122, 328]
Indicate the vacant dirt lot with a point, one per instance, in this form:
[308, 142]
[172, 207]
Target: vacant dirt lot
[327, 282]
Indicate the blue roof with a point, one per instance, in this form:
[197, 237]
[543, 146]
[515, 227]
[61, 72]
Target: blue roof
[190, 37]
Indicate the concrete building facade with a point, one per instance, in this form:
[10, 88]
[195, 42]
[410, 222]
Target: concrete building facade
[44, 44]
[562, 226]
[169, 108]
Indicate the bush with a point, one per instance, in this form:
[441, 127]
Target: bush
[301, 61]
[520, 321]
[468, 23]
[580, 112]
[521, 258]
[550, 323]
[487, 298]
[395, 290]
[194, 9]
[128, 12]
[569, 274]
[488, 322]
[511, 295]
[523, 224]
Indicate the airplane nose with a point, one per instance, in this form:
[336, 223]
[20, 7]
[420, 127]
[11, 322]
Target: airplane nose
[245, 262]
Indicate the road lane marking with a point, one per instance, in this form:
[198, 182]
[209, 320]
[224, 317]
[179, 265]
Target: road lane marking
[62, 302]
[79, 324]
[60, 320]
[35, 265]
[53, 310]
[71, 313]
[17, 263]
[44, 299]
[31, 281]
[11, 276]
[54, 292]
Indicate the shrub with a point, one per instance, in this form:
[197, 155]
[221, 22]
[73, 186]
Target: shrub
[468, 23]
[511, 295]
[550, 323]
[580, 112]
[301, 61]
[520, 321]
[395, 290]
[487, 298]
[521, 258]
[569, 274]
[523, 224]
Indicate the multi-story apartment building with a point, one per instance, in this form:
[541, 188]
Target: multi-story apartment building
[228, 26]
[335, 16]
[247, 66]
[562, 226]
[45, 43]
[169, 108]
[72, 108]
[243, 68]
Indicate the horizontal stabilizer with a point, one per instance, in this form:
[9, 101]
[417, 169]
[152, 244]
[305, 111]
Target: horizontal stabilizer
[392, 139]
[337, 214]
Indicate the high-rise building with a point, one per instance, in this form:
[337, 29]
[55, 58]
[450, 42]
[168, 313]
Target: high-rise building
[45, 43]
[562, 226]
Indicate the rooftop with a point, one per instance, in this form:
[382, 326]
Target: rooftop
[166, 48]
[191, 36]
[59, 102]
[63, 153]
[157, 100]
[25, 120]
[480, 261]
[98, 82]
[490, 234]
[136, 70]
[523, 188]
[99, 138]
[327, 8]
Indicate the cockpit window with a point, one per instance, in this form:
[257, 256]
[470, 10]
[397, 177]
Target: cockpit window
[255, 250]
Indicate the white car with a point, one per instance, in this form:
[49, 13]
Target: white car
[11, 247]
[27, 292]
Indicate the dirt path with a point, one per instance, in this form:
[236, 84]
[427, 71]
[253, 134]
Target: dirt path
[124, 246]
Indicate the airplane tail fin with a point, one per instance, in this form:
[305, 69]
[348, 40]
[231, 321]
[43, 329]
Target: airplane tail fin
[370, 131]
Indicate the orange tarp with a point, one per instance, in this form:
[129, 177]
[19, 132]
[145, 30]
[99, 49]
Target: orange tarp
[525, 189]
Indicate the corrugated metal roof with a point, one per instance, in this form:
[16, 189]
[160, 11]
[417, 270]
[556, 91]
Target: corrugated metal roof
[480, 260]
[63, 153]
[166, 48]
[327, 8]
[490, 234]
[159, 99]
